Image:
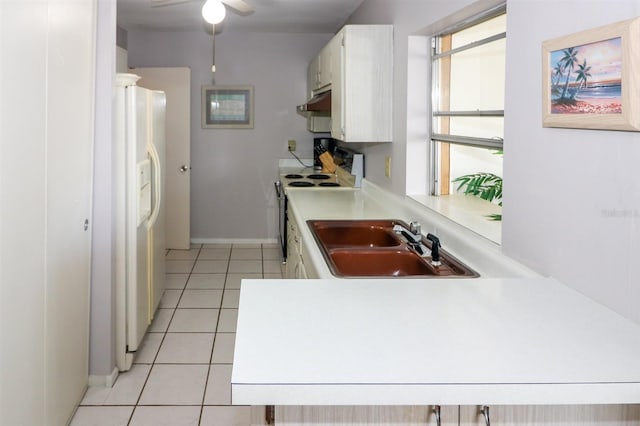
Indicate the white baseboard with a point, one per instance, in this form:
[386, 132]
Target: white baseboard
[107, 380]
[234, 241]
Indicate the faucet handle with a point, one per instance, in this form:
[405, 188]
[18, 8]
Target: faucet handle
[415, 228]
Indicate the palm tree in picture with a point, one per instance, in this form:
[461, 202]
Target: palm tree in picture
[582, 76]
[568, 62]
[558, 72]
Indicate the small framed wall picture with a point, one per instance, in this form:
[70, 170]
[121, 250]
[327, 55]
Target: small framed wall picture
[591, 79]
[227, 107]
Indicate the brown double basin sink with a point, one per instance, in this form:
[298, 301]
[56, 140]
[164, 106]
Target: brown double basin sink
[371, 248]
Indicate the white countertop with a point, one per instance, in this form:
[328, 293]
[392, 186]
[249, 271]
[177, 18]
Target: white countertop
[461, 341]
[509, 337]
[371, 202]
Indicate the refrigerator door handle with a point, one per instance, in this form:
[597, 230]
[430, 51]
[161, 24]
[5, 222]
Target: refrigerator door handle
[155, 160]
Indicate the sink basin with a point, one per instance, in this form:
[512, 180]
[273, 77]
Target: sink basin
[370, 248]
[371, 263]
[345, 233]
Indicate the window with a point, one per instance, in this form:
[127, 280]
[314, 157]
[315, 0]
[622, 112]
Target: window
[467, 108]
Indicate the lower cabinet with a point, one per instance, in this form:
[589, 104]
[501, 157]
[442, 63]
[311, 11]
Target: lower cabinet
[293, 251]
[461, 415]
[351, 415]
[556, 415]
[295, 267]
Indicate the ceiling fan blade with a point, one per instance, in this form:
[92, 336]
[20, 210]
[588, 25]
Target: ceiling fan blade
[240, 6]
[162, 3]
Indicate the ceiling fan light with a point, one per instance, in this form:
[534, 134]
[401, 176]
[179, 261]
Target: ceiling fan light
[213, 11]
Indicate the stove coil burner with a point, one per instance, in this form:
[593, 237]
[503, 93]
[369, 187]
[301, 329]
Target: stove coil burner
[318, 177]
[301, 183]
[329, 184]
[293, 176]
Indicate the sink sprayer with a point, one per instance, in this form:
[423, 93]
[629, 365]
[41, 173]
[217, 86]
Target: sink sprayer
[413, 236]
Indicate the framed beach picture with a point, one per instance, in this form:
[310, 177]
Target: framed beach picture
[229, 107]
[591, 79]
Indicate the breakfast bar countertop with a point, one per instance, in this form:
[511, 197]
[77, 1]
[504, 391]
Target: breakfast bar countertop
[414, 342]
[508, 337]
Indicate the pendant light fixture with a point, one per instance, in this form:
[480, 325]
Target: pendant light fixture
[213, 11]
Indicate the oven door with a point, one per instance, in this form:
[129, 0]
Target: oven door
[282, 220]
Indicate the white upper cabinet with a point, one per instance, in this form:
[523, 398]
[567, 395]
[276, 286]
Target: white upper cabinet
[361, 83]
[312, 76]
[324, 67]
[319, 71]
[357, 66]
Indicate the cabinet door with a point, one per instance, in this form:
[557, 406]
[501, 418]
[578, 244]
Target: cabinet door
[293, 250]
[361, 84]
[70, 106]
[337, 86]
[556, 415]
[448, 415]
[324, 66]
[309, 269]
[45, 193]
[354, 415]
[22, 202]
[312, 76]
[292, 259]
[302, 272]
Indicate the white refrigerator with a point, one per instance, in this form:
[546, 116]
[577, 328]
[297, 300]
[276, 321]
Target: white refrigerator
[139, 136]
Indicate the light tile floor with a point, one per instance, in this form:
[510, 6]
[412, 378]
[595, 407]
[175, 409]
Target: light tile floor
[182, 372]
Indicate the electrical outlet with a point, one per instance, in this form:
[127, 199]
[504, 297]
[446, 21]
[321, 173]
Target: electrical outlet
[387, 167]
[292, 145]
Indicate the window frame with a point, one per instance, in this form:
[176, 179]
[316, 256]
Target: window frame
[439, 139]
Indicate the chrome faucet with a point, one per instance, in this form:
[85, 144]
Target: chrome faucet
[413, 236]
[415, 228]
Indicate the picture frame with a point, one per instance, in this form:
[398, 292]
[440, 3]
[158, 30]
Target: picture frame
[591, 79]
[227, 107]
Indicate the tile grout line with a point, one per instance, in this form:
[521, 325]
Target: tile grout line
[164, 335]
[220, 393]
[215, 338]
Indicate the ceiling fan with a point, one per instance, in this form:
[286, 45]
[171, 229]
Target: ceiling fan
[240, 6]
[213, 11]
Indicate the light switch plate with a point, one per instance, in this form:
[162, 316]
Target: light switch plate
[387, 167]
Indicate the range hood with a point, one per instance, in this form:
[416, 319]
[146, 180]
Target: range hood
[320, 103]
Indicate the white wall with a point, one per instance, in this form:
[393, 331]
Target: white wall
[408, 18]
[102, 332]
[571, 197]
[233, 170]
